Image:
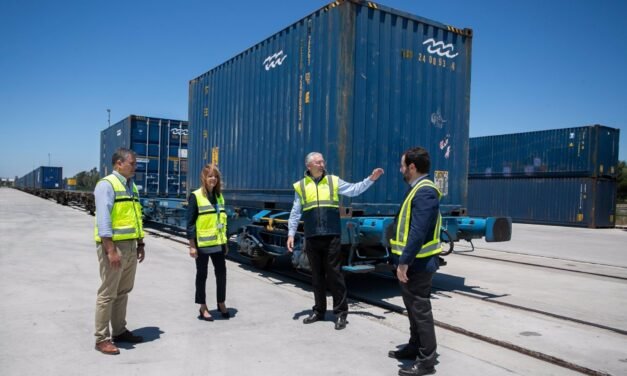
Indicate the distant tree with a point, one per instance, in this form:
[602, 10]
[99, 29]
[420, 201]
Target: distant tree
[622, 182]
[86, 180]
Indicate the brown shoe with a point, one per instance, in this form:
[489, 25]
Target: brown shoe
[106, 347]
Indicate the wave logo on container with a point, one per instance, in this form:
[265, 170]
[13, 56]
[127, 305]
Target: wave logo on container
[273, 60]
[179, 131]
[440, 49]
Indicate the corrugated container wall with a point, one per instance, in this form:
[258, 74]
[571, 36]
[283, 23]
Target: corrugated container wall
[161, 147]
[586, 202]
[356, 81]
[590, 151]
[43, 177]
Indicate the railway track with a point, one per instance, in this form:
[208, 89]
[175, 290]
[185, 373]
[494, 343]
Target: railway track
[466, 253]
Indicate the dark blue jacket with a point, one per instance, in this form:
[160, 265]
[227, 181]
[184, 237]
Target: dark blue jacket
[425, 207]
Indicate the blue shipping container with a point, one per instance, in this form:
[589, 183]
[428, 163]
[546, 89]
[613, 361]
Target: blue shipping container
[354, 80]
[161, 147]
[585, 202]
[43, 177]
[590, 151]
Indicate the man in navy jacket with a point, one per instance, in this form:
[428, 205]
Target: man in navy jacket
[417, 246]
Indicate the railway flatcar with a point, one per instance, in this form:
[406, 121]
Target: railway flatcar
[360, 83]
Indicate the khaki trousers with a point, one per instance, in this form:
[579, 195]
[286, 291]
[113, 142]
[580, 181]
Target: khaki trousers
[114, 289]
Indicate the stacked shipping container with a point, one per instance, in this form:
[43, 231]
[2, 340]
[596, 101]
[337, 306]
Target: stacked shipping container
[161, 147]
[561, 176]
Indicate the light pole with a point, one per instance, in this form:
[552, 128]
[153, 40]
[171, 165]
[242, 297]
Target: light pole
[109, 116]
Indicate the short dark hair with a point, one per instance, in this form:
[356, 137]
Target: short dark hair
[121, 154]
[419, 157]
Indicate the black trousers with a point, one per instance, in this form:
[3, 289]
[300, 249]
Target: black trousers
[325, 257]
[416, 296]
[219, 268]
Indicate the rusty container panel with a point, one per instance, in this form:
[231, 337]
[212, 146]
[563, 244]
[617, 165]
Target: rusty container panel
[356, 81]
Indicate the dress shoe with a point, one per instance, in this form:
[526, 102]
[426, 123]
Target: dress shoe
[225, 314]
[416, 369]
[106, 347]
[127, 336]
[340, 322]
[313, 317]
[201, 316]
[404, 353]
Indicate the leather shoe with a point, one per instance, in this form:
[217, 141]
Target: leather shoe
[404, 353]
[313, 317]
[416, 369]
[106, 347]
[340, 322]
[127, 336]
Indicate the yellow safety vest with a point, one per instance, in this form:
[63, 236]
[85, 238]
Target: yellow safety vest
[323, 194]
[211, 221]
[126, 214]
[432, 247]
[320, 204]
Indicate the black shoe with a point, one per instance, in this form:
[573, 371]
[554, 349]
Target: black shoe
[127, 336]
[340, 322]
[201, 316]
[313, 317]
[404, 353]
[416, 369]
[225, 314]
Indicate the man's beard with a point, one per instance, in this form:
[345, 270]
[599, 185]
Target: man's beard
[406, 177]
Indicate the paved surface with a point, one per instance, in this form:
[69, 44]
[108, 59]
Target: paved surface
[48, 283]
[595, 246]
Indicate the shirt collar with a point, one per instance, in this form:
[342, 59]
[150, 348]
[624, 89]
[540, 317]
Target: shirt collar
[415, 181]
[324, 173]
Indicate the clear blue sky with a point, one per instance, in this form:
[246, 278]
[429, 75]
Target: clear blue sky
[537, 64]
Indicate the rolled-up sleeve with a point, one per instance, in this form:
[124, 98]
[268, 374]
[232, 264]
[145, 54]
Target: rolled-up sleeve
[104, 197]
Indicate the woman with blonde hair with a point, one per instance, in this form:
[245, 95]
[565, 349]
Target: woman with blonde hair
[206, 231]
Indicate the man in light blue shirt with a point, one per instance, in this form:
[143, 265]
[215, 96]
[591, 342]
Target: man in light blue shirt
[119, 246]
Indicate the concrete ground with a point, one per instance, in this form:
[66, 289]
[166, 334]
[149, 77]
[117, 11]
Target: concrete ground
[48, 283]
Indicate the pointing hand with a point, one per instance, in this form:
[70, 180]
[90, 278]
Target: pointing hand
[376, 173]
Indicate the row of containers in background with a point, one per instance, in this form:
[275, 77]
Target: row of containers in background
[44, 177]
[161, 147]
[558, 177]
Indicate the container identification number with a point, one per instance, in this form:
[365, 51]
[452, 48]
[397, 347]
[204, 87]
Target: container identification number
[427, 59]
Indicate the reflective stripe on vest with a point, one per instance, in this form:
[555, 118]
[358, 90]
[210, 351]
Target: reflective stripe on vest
[126, 213]
[323, 194]
[398, 244]
[211, 221]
